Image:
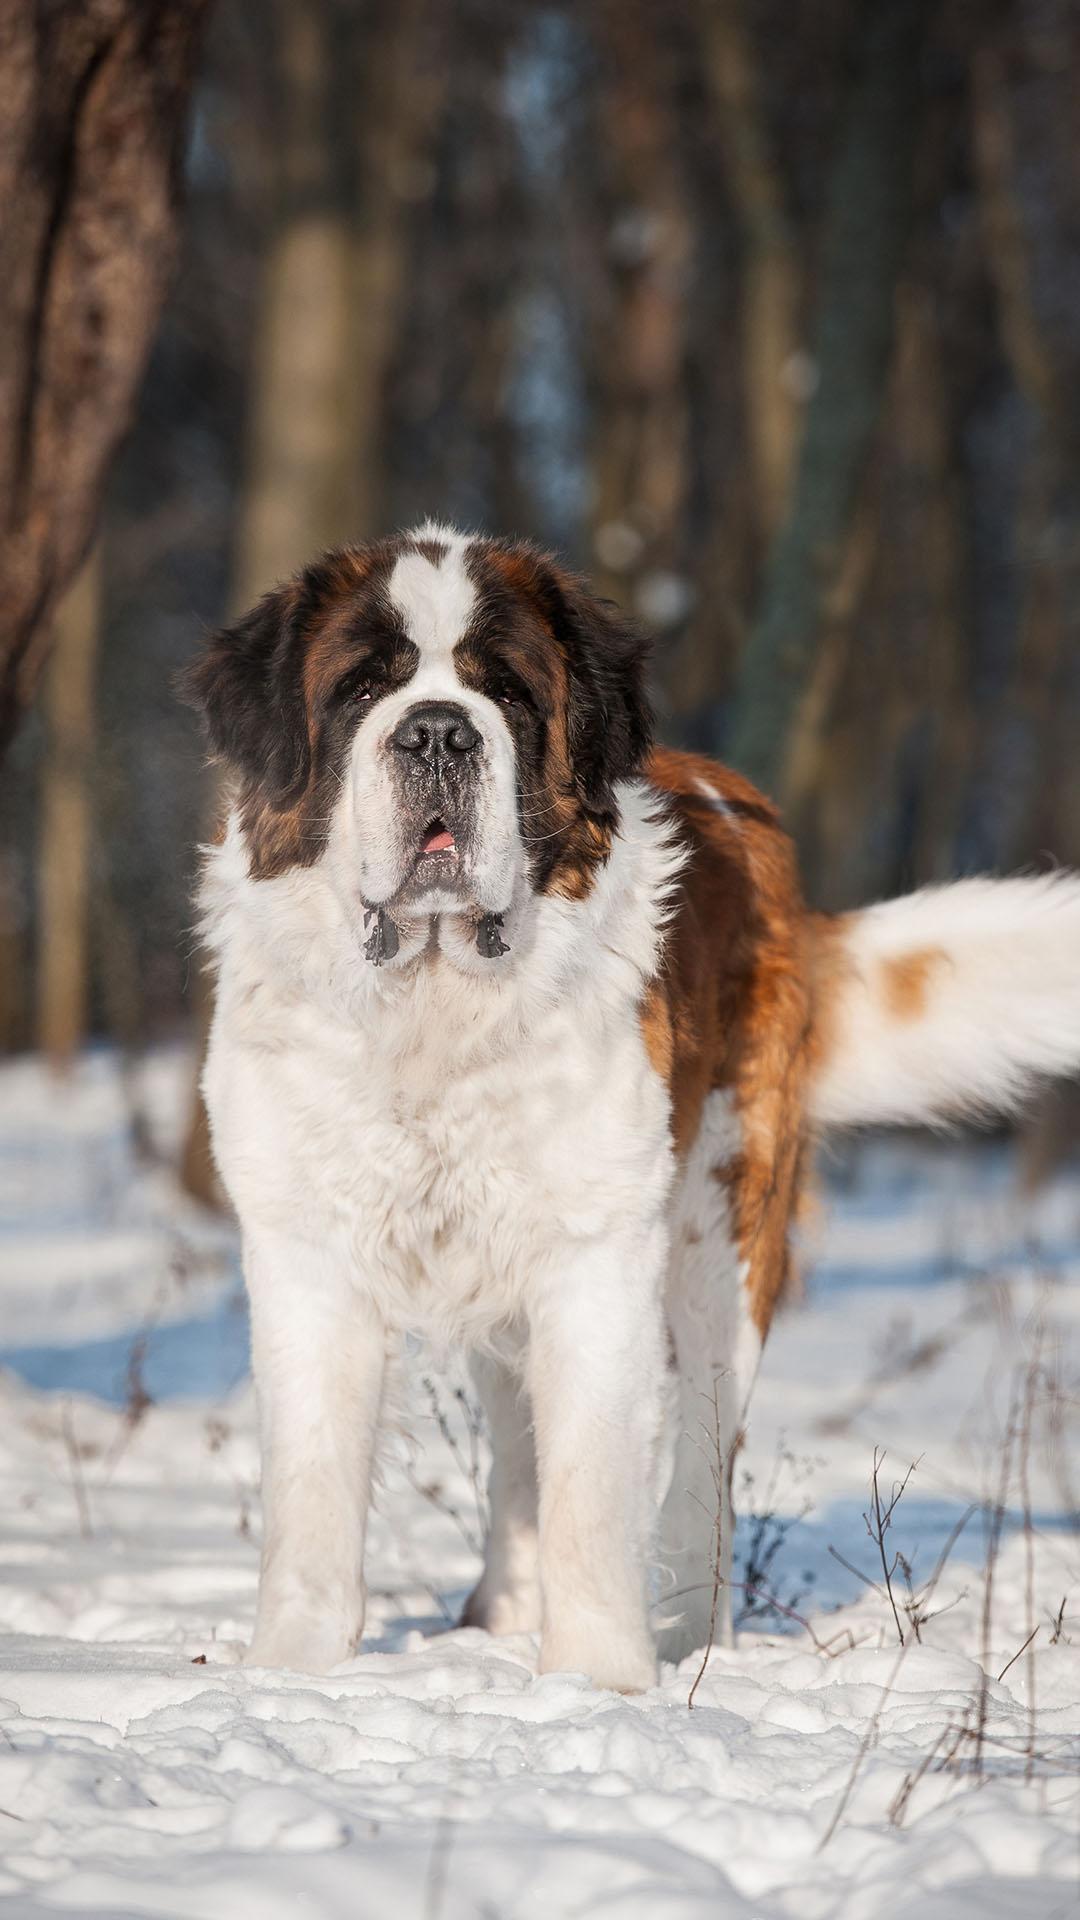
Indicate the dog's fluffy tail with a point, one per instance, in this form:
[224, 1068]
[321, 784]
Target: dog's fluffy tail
[952, 1001]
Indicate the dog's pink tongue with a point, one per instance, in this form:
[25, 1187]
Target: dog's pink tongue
[438, 842]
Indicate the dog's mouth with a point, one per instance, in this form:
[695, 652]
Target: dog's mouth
[437, 840]
[438, 862]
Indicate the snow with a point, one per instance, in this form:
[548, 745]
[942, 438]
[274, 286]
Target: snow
[822, 1773]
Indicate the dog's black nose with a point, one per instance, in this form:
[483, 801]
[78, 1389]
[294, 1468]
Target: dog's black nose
[435, 730]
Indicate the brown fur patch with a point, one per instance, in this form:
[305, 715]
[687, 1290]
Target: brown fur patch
[343, 604]
[574, 842]
[588, 845]
[906, 981]
[829, 967]
[656, 1030]
[734, 978]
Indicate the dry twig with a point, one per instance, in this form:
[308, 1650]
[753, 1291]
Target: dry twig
[78, 1483]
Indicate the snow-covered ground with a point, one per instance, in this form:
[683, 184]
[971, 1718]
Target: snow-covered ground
[823, 1770]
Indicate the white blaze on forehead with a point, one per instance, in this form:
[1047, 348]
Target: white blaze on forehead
[436, 600]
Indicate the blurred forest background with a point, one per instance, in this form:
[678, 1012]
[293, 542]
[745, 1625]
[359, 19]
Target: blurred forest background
[767, 315]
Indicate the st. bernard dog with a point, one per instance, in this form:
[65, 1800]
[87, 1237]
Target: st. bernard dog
[521, 1032]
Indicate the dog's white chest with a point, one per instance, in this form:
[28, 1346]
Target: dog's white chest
[448, 1180]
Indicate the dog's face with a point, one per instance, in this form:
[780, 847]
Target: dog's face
[444, 720]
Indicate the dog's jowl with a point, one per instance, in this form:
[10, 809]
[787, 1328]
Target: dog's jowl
[521, 1033]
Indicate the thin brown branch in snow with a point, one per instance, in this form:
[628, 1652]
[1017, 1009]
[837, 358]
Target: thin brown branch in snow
[468, 1462]
[899, 1804]
[993, 1546]
[878, 1522]
[78, 1483]
[917, 1602]
[437, 1499]
[829, 1647]
[1012, 1662]
[849, 1565]
[1031, 1381]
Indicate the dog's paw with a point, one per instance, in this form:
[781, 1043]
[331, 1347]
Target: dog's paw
[503, 1612]
[302, 1644]
[608, 1658]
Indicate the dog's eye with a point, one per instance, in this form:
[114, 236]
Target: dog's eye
[357, 690]
[508, 696]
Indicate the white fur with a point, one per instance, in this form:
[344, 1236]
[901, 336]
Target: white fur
[436, 600]
[1002, 1005]
[452, 1146]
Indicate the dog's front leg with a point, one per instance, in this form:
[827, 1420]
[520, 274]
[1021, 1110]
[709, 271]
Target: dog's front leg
[596, 1374]
[318, 1354]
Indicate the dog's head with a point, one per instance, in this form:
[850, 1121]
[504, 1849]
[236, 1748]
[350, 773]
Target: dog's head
[445, 719]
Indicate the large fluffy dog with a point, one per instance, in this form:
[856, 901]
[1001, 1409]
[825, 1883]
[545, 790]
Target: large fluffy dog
[521, 1030]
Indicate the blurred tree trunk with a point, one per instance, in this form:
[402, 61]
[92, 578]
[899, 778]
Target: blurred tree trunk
[404, 88]
[14, 967]
[452, 447]
[640, 423]
[297, 494]
[770, 291]
[866, 221]
[923, 434]
[67, 820]
[817, 770]
[1038, 688]
[494, 289]
[93, 104]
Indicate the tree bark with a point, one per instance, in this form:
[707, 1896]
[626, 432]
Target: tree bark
[297, 493]
[67, 836]
[639, 436]
[404, 94]
[93, 104]
[770, 291]
[866, 221]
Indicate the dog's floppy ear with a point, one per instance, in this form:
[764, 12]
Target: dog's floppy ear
[609, 721]
[248, 687]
